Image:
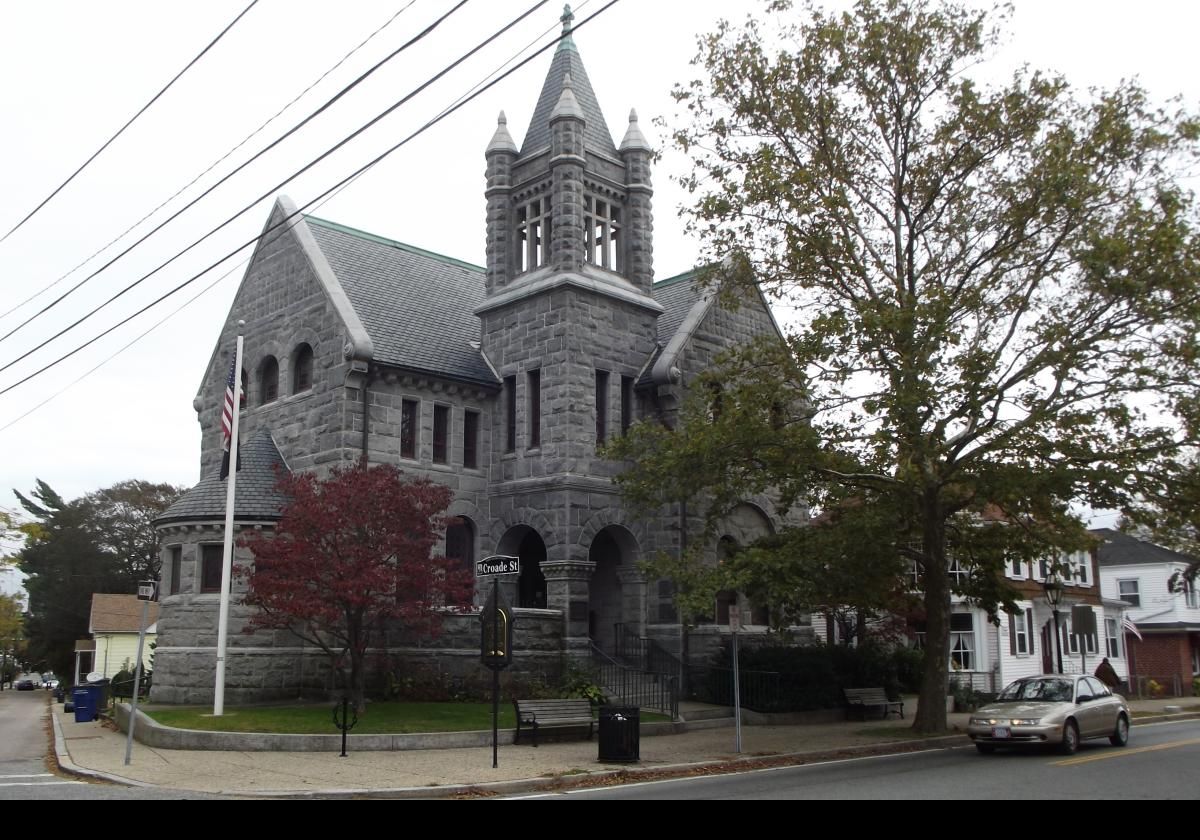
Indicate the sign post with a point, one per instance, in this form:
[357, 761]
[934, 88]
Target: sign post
[496, 632]
[147, 590]
[735, 624]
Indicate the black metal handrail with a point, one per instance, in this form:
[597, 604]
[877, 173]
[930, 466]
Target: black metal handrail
[759, 690]
[636, 686]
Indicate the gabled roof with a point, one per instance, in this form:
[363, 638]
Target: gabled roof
[1120, 549]
[595, 130]
[119, 614]
[257, 499]
[415, 305]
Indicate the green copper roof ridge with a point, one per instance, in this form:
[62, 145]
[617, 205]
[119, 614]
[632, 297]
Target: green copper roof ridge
[392, 243]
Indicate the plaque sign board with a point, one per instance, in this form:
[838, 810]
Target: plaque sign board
[146, 590]
[496, 632]
[497, 564]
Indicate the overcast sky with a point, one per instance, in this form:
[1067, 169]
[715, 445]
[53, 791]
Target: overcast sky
[76, 70]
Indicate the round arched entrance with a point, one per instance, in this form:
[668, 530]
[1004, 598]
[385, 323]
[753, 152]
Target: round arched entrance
[612, 548]
[525, 543]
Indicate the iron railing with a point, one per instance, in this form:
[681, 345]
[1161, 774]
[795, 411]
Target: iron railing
[760, 691]
[636, 686]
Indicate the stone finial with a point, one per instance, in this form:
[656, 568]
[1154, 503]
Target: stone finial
[502, 141]
[634, 139]
[568, 105]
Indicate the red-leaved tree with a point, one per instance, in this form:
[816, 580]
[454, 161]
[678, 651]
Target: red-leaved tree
[351, 554]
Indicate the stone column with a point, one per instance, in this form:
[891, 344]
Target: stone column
[568, 586]
[500, 155]
[567, 162]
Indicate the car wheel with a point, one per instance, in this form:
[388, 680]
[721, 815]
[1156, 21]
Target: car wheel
[1120, 736]
[986, 749]
[1070, 738]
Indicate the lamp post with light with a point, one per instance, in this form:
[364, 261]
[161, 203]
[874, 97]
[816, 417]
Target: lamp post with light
[1054, 593]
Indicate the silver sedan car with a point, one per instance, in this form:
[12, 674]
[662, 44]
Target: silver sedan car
[1060, 709]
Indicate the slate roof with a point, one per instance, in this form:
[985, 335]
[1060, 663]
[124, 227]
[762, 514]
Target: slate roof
[119, 614]
[416, 306]
[1119, 549]
[595, 130]
[257, 498]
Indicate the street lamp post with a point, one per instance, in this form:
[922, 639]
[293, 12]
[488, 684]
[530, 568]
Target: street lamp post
[1054, 594]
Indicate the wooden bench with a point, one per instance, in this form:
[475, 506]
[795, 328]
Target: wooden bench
[861, 699]
[538, 714]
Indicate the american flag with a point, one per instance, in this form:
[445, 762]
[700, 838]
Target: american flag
[231, 385]
[1128, 625]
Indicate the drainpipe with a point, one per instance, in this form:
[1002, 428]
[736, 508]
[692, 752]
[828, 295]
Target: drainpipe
[366, 415]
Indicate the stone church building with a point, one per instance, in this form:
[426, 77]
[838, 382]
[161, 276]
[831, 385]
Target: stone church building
[499, 381]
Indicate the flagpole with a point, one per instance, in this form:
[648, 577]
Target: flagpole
[227, 558]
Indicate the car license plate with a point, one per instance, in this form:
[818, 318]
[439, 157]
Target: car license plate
[1000, 732]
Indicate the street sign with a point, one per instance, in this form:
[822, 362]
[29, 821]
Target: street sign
[735, 618]
[497, 564]
[146, 590]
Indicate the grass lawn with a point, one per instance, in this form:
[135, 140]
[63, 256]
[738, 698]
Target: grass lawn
[379, 719]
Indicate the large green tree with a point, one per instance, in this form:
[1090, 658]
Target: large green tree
[995, 288]
[121, 518]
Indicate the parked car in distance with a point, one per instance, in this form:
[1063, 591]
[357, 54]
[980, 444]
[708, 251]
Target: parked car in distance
[24, 684]
[1051, 709]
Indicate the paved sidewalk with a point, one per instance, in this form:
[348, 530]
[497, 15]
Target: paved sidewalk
[98, 749]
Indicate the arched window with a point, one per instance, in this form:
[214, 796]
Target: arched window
[302, 369]
[268, 381]
[244, 390]
[460, 550]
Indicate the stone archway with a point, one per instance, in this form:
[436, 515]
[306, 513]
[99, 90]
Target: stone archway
[527, 544]
[614, 551]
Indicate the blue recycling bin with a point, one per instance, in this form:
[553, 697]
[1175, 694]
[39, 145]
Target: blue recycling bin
[84, 697]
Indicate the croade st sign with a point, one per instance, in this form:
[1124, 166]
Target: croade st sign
[497, 564]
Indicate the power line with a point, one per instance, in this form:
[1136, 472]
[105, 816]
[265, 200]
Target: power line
[338, 185]
[415, 39]
[96, 154]
[215, 163]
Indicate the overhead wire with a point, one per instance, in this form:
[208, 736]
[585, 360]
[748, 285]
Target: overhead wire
[132, 119]
[415, 39]
[214, 164]
[287, 219]
[244, 262]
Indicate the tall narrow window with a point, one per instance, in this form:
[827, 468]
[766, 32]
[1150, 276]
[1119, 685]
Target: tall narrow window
[302, 369]
[441, 433]
[1112, 638]
[533, 393]
[626, 403]
[268, 381]
[408, 429]
[471, 439]
[212, 557]
[460, 549]
[601, 406]
[176, 568]
[510, 414]
[602, 232]
[962, 642]
[533, 234]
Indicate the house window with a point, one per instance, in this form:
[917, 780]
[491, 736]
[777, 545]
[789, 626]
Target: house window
[533, 394]
[1020, 633]
[1190, 596]
[601, 407]
[1089, 641]
[914, 576]
[510, 414]
[533, 234]
[408, 429]
[212, 557]
[1112, 638]
[471, 439]
[957, 573]
[460, 549]
[1016, 568]
[626, 403]
[962, 642]
[602, 232]
[1043, 569]
[441, 433]
[919, 631]
[302, 369]
[176, 568]
[1082, 571]
[1128, 590]
[268, 381]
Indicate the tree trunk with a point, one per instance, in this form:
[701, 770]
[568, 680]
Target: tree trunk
[931, 707]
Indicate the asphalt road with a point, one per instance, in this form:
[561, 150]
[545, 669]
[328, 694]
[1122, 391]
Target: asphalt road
[1160, 762]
